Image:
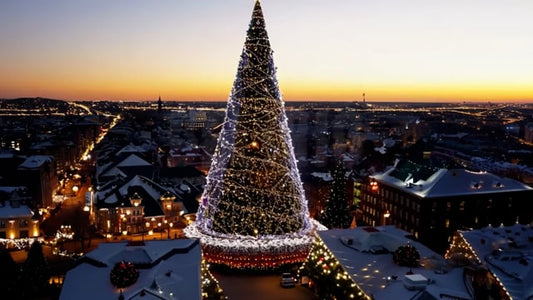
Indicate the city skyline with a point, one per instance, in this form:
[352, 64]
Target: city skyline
[184, 50]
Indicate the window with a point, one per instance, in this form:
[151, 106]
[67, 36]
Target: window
[2, 224]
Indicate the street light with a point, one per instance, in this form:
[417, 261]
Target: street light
[169, 228]
[147, 224]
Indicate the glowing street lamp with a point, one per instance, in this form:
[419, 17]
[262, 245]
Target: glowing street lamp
[169, 228]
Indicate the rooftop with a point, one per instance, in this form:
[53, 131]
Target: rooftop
[366, 254]
[507, 251]
[425, 183]
[35, 161]
[167, 270]
[9, 212]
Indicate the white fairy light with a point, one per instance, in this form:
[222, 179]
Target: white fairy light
[254, 200]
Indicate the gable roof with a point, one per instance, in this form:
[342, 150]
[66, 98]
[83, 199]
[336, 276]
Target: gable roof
[133, 161]
[149, 191]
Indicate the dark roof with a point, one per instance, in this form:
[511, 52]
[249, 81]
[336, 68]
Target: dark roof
[180, 172]
[416, 171]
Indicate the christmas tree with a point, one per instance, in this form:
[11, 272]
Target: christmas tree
[253, 212]
[337, 213]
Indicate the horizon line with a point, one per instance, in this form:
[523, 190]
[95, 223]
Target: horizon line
[366, 101]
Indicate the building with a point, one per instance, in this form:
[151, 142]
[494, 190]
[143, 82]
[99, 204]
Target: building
[499, 259]
[433, 203]
[17, 220]
[158, 270]
[189, 156]
[138, 206]
[366, 263]
[38, 173]
[528, 132]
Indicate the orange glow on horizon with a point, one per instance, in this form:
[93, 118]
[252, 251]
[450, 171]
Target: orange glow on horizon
[423, 51]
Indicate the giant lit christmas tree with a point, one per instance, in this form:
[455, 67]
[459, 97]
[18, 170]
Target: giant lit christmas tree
[253, 213]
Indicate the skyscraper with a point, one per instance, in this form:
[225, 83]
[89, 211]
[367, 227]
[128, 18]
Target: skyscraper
[253, 213]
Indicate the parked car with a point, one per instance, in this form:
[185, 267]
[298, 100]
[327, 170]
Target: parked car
[287, 280]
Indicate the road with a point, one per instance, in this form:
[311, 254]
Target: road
[259, 287]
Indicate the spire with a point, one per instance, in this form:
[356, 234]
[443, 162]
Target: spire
[256, 62]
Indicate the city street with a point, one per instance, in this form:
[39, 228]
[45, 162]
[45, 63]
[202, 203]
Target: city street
[259, 287]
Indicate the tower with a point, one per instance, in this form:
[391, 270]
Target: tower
[159, 104]
[253, 212]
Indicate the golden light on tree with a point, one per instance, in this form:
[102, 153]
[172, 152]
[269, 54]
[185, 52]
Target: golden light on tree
[253, 213]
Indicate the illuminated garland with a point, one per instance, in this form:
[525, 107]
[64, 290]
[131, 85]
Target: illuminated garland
[21, 243]
[328, 276]
[123, 274]
[253, 212]
[210, 287]
[460, 249]
[246, 252]
[461, 252]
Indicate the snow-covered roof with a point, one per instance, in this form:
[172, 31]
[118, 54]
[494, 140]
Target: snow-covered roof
[167, 270]
[6, 155]
[102, 168]
[454, 182]
[35, 161]
[8, 212]
[133, 161]
[148, 185]
[322, 175]
[130, 148]
[347, 157]
[512, 262]
[378, 275]
[114, 172]
[11, 189]
[111, 199]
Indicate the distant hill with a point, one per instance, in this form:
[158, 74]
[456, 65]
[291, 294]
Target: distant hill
[37, 106]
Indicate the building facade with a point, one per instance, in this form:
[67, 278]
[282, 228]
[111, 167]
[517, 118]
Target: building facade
[433, 204]
[17, 222]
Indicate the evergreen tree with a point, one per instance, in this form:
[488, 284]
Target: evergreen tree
[253, 185]
[337, 212]
[35, 273]
[9, 272]
[253, 205]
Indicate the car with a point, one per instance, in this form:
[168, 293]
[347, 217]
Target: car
[287, 280]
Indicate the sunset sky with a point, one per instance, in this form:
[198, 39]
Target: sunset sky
[412, 50]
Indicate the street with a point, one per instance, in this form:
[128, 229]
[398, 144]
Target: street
[246, 286]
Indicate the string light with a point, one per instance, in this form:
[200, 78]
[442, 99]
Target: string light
[20, 243]
[253, 213]
[328, 275]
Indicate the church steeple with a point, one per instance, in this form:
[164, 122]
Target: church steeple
[159, 104]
